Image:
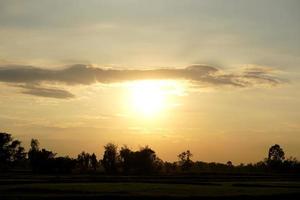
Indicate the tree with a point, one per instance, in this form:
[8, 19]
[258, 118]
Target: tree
[170, 167]
[63, 165]
[33, 154]
[276, 153]
[11, 150]
[126, 158]
[185, 160]
[86, 161]
[291, 164]
[145, 160]
[109, 160]
[83, 161]
[34, 145]
[40, 160]
[275, 156]
[94, 162]
[229, 164]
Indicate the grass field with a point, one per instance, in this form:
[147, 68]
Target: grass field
[64, 187]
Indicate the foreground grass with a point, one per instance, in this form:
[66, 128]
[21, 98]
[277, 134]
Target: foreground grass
[217, 190]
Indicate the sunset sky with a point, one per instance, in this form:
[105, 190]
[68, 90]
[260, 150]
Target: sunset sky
[218, 77]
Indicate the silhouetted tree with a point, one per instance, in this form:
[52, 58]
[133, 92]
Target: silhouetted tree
[86, 161]
[229, 164]
[33, 154]
[185, 160]
[40, 160]
[275, 156]
[11, 151]
[276, 153]
[126, 159]
[64, 164]
[94, 162]
[170, 167]
[145, 160]
[34, 145]
[109, 160]
[158, 164]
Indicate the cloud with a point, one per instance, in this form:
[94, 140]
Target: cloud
[200, 75]
[260, 75]
[86, 75]
[46, 92]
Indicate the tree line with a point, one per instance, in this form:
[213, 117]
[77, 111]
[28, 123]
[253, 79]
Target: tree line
[126, 161]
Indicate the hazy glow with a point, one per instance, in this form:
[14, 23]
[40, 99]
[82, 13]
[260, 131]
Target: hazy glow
[150, 98]
[222, 111]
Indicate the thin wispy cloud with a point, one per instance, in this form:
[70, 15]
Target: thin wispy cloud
[46, 92]
[32, 78]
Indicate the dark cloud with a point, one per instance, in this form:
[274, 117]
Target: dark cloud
[76, 74]
[259, 75]
[46, 92]
[84, 74]
[200, 75]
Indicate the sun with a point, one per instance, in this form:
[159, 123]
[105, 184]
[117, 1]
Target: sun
[153, 99]
[148, 98]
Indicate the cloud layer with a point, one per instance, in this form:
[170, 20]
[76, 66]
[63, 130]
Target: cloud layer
[31, 78]
[46, 92]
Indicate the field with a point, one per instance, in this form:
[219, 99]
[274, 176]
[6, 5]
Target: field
[206, 186]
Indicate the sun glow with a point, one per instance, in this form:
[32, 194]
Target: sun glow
[149, 98]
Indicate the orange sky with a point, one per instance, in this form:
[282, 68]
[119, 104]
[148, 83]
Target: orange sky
[220, 78]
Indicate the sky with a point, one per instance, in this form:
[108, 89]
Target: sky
[218, 77]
